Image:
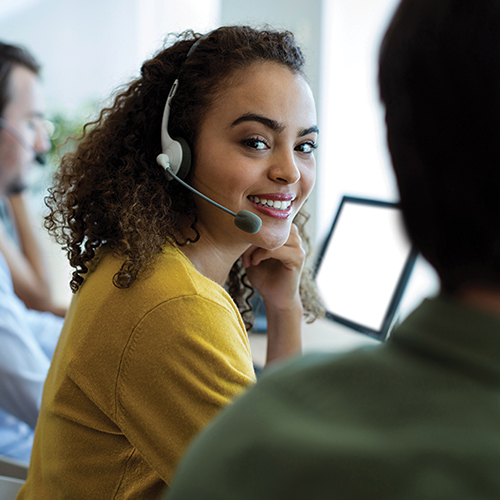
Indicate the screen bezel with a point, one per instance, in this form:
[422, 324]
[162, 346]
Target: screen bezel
[384, 330]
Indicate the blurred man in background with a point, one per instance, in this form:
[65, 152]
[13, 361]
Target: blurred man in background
[27, 337]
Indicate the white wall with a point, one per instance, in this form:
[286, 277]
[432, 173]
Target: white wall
[353, 151]
[88, 47]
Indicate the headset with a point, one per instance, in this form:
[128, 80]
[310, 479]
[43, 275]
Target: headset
[176, 160]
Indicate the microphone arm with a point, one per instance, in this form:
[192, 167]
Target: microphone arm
[245, 220]
[39, 157]
[192, 189]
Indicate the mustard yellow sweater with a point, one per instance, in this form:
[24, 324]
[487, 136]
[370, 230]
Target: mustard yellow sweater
[136, 374]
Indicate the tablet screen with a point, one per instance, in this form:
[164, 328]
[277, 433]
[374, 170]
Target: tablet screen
[364, 265]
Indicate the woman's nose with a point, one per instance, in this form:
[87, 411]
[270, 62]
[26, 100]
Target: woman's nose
[284, 169]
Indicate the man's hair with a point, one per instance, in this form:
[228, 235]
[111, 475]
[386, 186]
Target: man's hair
[11, 56]
[439, 77]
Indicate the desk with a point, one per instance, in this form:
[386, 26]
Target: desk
[330, 336]
[321, 335]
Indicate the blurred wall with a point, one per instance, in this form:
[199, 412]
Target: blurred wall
[355, 159]
[353, 153]
[88, 47]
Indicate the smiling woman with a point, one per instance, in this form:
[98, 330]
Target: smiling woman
[154, 343]
[252, 144]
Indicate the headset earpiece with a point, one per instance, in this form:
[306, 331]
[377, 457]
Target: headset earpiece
[186, 158]
[176, 153]
[177, 157]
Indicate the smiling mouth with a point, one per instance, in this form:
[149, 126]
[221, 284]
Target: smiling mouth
[276, 204]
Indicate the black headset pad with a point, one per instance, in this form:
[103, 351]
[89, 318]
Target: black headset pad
[186, 158]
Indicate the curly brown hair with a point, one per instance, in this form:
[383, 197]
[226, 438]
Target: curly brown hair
[112, 192]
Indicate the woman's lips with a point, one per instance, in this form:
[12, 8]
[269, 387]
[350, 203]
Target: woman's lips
[277, 206]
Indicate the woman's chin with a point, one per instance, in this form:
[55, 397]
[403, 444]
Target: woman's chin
[272, 241]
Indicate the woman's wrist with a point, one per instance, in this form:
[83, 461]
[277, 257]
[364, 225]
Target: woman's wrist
[284, 306]
[284, 330]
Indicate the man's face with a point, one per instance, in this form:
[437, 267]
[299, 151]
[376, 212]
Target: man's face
[24, 113]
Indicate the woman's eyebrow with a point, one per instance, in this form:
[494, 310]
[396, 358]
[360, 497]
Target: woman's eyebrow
[252, 117]
[271, 124]
[310, 130]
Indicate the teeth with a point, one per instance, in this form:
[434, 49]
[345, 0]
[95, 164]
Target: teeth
[276, 204]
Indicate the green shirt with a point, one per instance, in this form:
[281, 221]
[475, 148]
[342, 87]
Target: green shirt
[415, 418]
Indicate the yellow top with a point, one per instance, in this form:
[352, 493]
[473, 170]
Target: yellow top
[136, 374]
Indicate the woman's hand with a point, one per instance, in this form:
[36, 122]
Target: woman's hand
[276, 275]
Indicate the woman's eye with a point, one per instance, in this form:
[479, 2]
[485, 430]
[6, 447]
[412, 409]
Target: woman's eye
[255, 143]
[307, 147]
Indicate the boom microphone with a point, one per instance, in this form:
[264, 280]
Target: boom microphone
[244, 220]
[39, 157]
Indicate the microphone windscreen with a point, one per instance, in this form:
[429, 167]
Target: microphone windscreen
[248, 221]
[41, 159]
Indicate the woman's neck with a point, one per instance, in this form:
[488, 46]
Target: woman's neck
[211, 260]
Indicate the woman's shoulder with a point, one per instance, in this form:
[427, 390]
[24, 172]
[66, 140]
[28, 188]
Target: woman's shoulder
[169, 275]
[175, 271]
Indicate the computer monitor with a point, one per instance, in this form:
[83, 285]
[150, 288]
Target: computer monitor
[364, 265]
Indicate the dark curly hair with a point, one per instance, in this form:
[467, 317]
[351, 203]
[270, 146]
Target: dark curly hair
[111, 191]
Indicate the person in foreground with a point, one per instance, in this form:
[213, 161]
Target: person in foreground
[417, 417]
[27, 337]
[154, 345]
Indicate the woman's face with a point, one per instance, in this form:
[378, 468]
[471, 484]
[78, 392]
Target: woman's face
[255, 151]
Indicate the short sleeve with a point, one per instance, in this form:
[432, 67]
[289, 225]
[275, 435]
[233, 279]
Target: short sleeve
[187, 359]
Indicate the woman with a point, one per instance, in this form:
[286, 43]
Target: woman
[153, 345]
